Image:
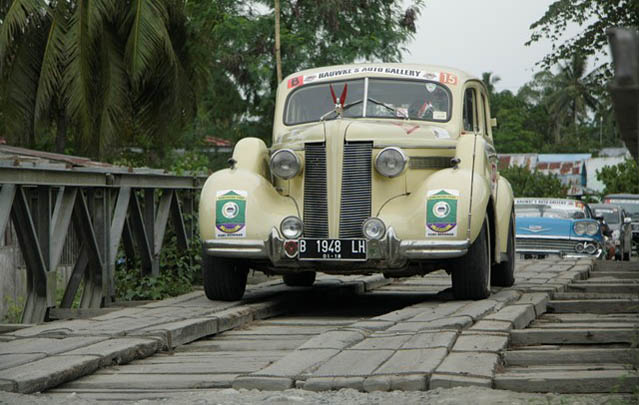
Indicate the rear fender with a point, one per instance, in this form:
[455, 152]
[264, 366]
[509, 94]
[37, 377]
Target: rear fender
[503, 212]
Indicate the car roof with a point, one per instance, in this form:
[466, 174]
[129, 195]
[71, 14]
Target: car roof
[623, 195]
[386, 70]
[598, 205]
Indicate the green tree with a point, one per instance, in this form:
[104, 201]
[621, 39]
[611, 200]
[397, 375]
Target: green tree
[595, 16]
[622, 178]
[533, 184]
[313, 33]
[98, 70]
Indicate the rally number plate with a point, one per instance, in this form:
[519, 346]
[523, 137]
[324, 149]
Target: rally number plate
[332, 249]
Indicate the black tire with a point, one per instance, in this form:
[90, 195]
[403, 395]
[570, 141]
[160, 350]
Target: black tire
[223, 279]
[471, 275]
[503, 274]
[301, 279]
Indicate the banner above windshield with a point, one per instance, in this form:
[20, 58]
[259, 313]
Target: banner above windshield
[442, 77]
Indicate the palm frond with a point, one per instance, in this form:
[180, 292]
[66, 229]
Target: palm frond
[18, 86]
[53, 61]
[20, 14]
[78, 74]
[114, 85]
[148, 38]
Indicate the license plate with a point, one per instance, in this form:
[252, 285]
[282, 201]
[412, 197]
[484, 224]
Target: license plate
[332, 249]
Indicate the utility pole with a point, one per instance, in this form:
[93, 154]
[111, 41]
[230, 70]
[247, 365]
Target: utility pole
[278, 56]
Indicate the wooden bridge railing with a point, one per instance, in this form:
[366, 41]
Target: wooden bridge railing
[107, 207]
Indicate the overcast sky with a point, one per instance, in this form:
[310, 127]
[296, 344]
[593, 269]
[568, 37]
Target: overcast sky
[481, 36]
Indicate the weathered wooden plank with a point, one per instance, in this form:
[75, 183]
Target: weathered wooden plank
[623, 288]
[582, 381]
[572, 336]
[594, 306]
[514, 358]
[615, 274]
[152, 381]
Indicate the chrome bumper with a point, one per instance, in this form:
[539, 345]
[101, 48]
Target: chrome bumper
[599, 253]
[389, 252]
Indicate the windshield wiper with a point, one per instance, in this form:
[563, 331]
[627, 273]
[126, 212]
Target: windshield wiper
[390, 108]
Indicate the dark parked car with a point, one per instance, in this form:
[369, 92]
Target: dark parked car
[630, 203]
[619, 223]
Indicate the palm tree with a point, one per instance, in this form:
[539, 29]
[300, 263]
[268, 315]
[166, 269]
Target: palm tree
[94, 66]
[490, 81]
[572, 95]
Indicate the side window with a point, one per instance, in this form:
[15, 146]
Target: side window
[469, 110]
[485, 115]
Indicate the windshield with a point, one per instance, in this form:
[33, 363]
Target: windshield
[630, 206]
[385, 98]
[610, 215]
[547, 211]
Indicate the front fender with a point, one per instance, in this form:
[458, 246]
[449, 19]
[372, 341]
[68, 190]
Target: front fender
[408, 214]
[261, 206]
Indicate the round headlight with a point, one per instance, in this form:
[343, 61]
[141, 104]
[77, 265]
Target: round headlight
[592, 228]
[391, 162]
[590, 248]
[285, 164]
[579, 247]
[580, 228]
[291, 227]
[373, 228]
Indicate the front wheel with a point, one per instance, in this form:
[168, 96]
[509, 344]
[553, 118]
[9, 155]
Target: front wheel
[471, 274]
[503, 274]
[224, 279]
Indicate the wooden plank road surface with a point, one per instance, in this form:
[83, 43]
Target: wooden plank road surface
[373, 335]
[587, 340]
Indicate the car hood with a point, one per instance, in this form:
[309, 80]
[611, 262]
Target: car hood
[539, 226]
[382, 132]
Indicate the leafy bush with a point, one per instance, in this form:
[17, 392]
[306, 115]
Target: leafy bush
[622, 178]
[14, 310]
[534, 184]
[178, 270]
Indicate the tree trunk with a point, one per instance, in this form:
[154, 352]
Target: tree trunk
[61, 133]
[278, 56]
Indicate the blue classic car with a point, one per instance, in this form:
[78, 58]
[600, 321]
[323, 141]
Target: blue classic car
[548, 226]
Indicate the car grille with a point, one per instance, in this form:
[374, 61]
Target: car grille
[356, 188]
[315, 202]
[429, 162]
[563, 245]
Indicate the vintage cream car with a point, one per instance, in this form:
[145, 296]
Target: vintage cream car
[373, 168]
